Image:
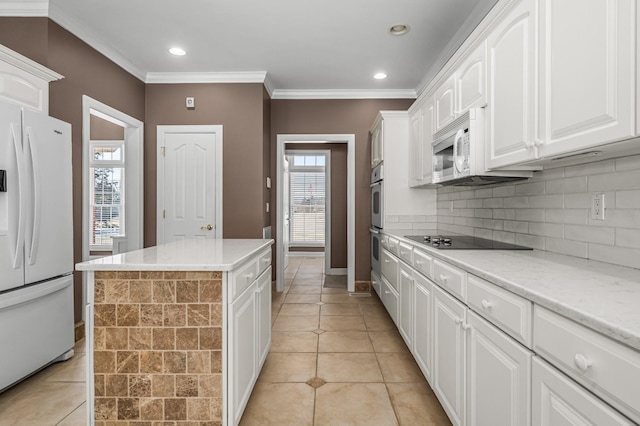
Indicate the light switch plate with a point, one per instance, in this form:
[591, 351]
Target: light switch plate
[191, 102]
[268, 182]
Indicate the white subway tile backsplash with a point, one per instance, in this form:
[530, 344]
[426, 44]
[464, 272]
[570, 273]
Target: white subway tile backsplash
[552, 211]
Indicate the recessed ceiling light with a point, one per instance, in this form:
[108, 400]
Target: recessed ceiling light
[178, 51]
[399, 29]
[380, 76]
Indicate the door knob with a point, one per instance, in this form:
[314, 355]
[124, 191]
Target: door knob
[208, 227]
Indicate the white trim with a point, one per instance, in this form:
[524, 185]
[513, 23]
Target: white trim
[206, 77]
[134, 146]
[162, 130]
[336, 271]
[350, 140]
[86, 34]
[306, 254]
[344, 94]
[327, 199]
[24, 8]
[32, 67]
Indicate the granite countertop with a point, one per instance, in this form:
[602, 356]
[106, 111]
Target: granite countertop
[182, 255]
[601, 296]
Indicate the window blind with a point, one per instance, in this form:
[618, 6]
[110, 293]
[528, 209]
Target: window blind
[307, 206]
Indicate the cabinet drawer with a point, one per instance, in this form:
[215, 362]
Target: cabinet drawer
[607, 368]
[450, 278]
[509, 312]
[423, 262]
[376, 283]
[405, 252]
[390, 268]
[243, 277]
[393, 245]
[390, 300]
[264, 261]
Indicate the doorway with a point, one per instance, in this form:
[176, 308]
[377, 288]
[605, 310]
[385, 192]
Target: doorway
[289, 141]
[189, 183]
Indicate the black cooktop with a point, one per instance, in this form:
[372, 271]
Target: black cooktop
[463, 242]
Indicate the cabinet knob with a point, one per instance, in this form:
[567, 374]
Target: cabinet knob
[387, 292]
[582, 363]
[443, 278]
[485, 304]
[458, 321]
[466, 326]
[402, 252]
[250, 276]
[419, 262]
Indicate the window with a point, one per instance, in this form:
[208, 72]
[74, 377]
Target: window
[307, 189]
[106, 203]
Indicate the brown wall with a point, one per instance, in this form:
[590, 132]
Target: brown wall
[103, 130]
[86, 72]
[240, 109]
[348, 116]
[338, 189]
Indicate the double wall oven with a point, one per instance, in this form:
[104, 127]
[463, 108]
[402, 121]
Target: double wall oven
[377, 217]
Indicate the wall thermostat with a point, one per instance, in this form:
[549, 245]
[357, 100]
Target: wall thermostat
[191, 102]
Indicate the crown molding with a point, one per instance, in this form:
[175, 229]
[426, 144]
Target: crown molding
[32, 67]
[344, 94]
[206, 77]
[85, 34]
[24, 8]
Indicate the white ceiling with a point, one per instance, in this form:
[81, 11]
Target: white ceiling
[306, 48]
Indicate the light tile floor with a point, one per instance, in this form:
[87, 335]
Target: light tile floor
[336, 359]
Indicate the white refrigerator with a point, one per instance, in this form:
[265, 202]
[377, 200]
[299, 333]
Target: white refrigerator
[36, 243]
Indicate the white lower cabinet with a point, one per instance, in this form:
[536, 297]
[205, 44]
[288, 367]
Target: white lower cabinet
[405, 308]
[558, 400]
[263, 298]
[449, 346]
[423, 324]
[389, 299]
[498, 376]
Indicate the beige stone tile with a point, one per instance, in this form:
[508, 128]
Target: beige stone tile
[77, 418]
[338, 298]
[369, 300]
[416, 404]
[316, 282]
[72, 370]
[80, 346]
[388, 341]
[302, 298]
[288, 367]
[342, 323]
[345, 341]
[36, 402]
[399, 367]
[378, 322]
[296, 323]
[286, 341]
[349, 367]
[299, 309]
[340, 309]
[376, 309]
[282, 404]
[332, 290]
[305, 289]
[354, 404]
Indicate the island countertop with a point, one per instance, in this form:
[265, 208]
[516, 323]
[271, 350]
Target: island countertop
[182, 255]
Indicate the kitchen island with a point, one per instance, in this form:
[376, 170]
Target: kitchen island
[177, 332]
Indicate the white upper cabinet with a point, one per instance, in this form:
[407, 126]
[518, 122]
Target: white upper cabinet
[376, 144]
[445, 100]
[586, 73]
[510, 110]
[471, 81]
[420, 140]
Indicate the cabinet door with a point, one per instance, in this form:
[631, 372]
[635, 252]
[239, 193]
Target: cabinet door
[422, 324]
[587, 79]
[498, 377]
[511, 97]
[471, 80]
[376, 146]
[415, 147]
[558, 400]
[263, 327]
[405, 307]
[242, 353]
[445, 101]
[427, 142]
[449, 354]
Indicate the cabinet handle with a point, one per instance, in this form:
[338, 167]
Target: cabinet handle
[386, 261]
[402, 252]
[466, 326]
[443, 278]
[485, 304]
[419, 262]
[387, 292]
[582, 363]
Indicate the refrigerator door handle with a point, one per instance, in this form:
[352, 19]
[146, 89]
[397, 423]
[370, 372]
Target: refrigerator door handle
[33, 249]
[17, 253]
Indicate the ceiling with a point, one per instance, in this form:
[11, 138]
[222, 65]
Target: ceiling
[299, 48]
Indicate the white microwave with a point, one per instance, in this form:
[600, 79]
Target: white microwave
[458, 154]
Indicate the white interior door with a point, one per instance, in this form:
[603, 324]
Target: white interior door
[286, 210]
[189, 182]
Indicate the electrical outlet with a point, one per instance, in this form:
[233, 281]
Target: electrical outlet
[267, 207]
[451, 207]
[597, 207]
